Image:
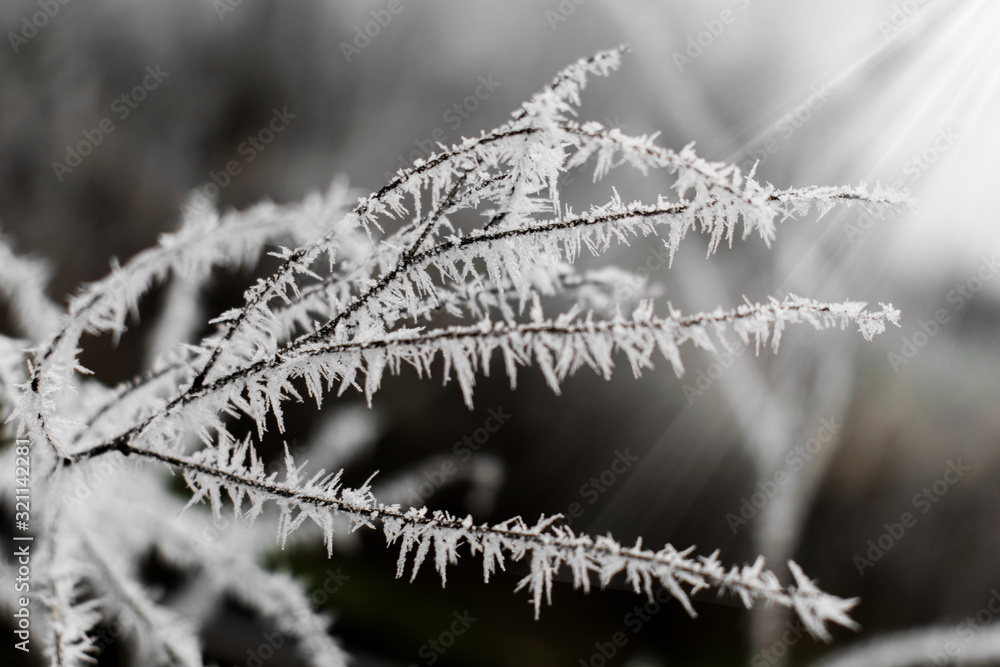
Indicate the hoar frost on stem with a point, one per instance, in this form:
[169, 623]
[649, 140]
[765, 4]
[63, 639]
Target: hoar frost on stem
[362, 291]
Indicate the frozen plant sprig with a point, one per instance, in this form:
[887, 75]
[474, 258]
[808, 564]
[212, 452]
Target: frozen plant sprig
[358, 293]
[236, 471]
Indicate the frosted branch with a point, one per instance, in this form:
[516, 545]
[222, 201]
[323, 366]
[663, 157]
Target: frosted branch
[236, 471]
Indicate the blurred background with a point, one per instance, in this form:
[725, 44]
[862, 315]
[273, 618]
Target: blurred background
[904, 93]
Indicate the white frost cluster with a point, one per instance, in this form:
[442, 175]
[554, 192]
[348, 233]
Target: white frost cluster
[365, 286]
